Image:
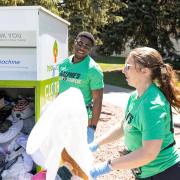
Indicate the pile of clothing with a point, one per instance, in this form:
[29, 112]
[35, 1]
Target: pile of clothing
[16, 122]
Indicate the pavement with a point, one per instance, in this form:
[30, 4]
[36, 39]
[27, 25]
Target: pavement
[118, 96]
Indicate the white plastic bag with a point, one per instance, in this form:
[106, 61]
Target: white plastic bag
[62, 125]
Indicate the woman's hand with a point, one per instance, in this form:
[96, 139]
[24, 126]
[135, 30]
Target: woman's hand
[100, 169]
[93, 146]
[90, 135]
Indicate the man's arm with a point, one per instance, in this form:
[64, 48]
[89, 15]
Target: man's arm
[97, 104]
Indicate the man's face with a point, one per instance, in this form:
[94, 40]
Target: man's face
[82, 47]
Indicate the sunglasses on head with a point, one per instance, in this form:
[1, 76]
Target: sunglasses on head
[81, 44]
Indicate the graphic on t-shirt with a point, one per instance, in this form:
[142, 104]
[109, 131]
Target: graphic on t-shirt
[129, 117]
[70, 76]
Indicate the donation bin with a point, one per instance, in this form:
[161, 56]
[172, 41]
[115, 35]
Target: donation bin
[32, 42]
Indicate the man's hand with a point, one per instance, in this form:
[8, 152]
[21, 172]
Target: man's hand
[90, 135]
[93, 146]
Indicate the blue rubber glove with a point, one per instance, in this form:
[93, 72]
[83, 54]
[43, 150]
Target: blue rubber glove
[93, 146]
[90, 135]
[100, 169]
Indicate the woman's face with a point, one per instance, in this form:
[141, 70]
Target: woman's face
[132, 72]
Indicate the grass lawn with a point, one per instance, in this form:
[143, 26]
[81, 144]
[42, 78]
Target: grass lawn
[112, 68]
[110, 63]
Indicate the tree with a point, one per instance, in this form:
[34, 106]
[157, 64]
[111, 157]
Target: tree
[49, 4]
[83, 16]
[145, 23]
[89, 15]
[11, 2]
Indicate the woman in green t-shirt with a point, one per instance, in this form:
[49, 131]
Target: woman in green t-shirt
[147, 128]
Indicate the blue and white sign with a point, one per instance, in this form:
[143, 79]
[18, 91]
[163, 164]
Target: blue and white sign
[18, 64]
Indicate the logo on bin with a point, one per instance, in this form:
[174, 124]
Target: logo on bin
[55, 51]
[55, 55]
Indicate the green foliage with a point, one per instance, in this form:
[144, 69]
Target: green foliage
[78, 12]
[117, 23]
[175, 64]
[89, 15]
[11, 2]
[145, 23]
[48, 4]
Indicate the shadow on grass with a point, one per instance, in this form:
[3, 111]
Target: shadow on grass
[116, 78]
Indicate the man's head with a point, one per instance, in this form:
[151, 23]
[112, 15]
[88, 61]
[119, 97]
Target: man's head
[83, 44]
[87, 35]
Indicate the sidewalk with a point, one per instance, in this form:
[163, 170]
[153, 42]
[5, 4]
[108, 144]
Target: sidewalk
[116, 95]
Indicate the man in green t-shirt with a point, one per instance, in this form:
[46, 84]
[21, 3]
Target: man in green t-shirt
[82, 72]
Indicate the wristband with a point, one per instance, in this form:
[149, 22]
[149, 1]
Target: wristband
[93, 126]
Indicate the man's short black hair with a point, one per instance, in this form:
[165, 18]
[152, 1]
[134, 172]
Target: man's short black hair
[87, 35]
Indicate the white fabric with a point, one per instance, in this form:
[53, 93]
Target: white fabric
[13, 144]
[12, 132]
[63, 124]
[24, 164]
[20, 176]
[20, 169]
[25, 176]
[15, 154]
[10, 118]
[22, 140]
[28, 124]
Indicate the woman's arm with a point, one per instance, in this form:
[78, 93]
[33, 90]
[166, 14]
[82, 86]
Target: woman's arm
[113, 134]
[140, 157]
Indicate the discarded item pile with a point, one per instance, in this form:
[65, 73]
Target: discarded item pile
[16, 121]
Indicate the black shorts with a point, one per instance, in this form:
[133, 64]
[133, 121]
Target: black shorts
[171, 173]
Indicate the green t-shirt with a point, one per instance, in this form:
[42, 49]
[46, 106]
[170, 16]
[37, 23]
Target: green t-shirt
[85, 75]
[149, 118]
